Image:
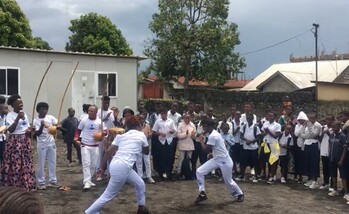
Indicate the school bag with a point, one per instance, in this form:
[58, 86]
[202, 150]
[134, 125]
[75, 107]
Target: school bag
[186, 168]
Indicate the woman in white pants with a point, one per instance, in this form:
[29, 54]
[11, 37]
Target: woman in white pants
[220, 159]
[128, 147]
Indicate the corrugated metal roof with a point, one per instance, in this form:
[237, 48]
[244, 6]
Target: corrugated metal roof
[72, 53]
[301, 73]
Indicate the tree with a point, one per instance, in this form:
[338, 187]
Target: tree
[41, 44]
[193, 39]
[14, 26]
[96, 34]
[15, 29]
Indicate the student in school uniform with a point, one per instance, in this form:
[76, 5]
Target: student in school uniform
[198, 153]
[186, 132]
[165, 129]
[89, 145]
[302, 118]
[220, 159]
[232, 114]
[324, 151]
[344, 119]
[154, 139]
[271, 131]
[4, 124]
[248, 109]
[338, 150]
[176, 117]
[228, 138]
[311, 132]
[46, 146]
[286, 144]
[144, 158]
[84, 111]
[249, 135]
[224, 119]
[238, 146]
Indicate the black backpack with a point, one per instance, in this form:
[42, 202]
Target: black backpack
[254, 130]
[186, 168]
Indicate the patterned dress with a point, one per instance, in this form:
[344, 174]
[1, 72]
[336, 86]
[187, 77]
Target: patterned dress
[18, 165]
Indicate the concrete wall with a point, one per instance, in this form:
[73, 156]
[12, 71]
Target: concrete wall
[331, 92]
[278, 84]
[33, 64]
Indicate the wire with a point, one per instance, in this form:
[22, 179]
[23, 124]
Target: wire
[276, 44]
[329, 61]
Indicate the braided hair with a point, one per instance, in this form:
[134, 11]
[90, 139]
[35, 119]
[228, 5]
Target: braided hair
[15, 200]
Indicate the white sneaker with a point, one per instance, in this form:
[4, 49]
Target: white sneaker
[314, 185]
[307, 184]
[346, 197]
[271, 181]
[99, 178]
[283, 180]
[252, 171]
[87, 186]
[324, 187]
[151, 180]
[92, 184]
[42, 187]
[333, 193]
[331, 189]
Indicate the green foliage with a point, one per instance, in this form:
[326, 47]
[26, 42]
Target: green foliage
[194, 39]
[41, 44]
[14, 28]
[96, 34]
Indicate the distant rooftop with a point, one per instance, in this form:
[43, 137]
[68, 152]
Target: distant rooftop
[72, 53]
[322, 57]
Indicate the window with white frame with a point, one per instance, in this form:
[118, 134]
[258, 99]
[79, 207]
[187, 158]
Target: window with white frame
[9, 81]
[107, 84]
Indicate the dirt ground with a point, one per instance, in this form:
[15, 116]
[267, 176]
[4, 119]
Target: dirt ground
[178, 197]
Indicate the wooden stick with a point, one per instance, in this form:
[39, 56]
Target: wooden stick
[65, 92]
[37, 94]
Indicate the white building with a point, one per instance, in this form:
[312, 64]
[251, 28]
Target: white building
[21, 71]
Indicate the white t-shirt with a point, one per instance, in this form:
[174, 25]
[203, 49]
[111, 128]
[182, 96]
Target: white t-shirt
[175, 117]
[249, 135]
[243, 118]
[165, 126]
[88, 128]
[324, 148]
[129, 146]
[284, 140]
[22, 125]
[45, 137]
[273, 128]
[108, 123]
[237, 138]
[219, 150]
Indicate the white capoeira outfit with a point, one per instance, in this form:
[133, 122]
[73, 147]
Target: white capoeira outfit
[46, 148]
[221, 160]
[130, 147]
[89, 147]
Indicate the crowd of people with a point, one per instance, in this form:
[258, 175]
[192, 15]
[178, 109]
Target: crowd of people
[225, 145]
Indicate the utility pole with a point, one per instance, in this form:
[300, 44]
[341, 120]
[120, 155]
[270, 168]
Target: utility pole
[316, 61]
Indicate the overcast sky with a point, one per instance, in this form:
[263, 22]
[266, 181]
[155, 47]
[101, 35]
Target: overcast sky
[261, 23]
